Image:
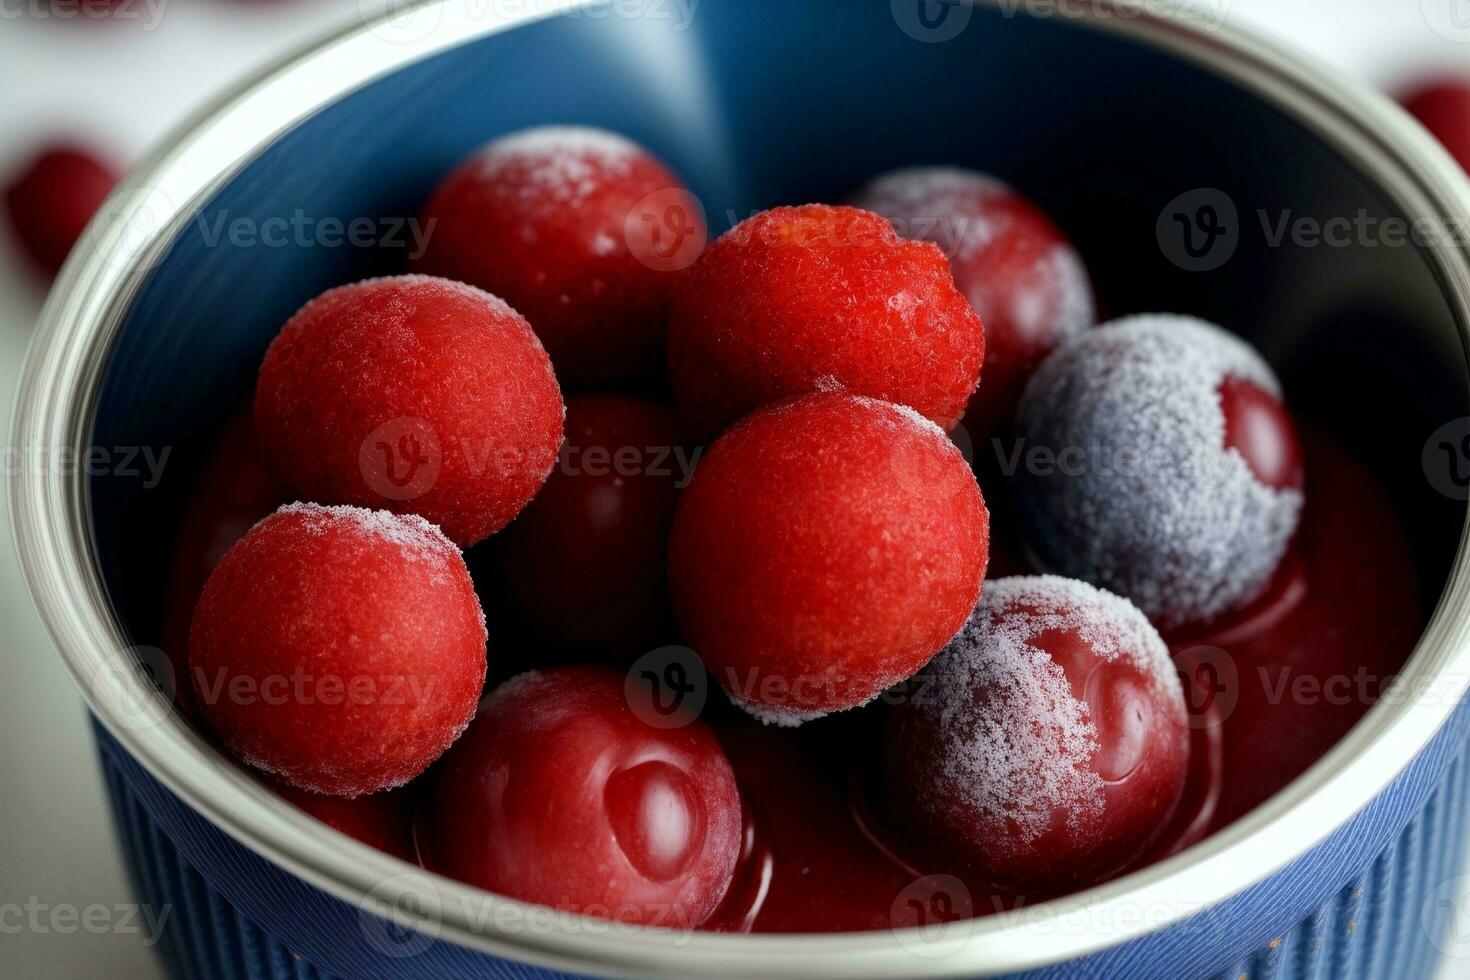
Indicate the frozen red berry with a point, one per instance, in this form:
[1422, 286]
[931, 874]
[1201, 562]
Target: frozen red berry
[339, 649]
[817, 298]
[1013, 264]
[1443, 106]
[1048, 744]
[563, 793]
[580, 230]
[1159, 463]
[381, 820]
[583, 569]
[414, 394]
[825, 549]
[53, 198]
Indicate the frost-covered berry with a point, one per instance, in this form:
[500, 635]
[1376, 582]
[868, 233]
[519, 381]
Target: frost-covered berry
[1156, 461]
[1048, 743]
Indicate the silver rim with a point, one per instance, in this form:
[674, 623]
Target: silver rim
[56, 400]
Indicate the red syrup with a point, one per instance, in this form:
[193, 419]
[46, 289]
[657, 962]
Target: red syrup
[1266, 701]
[1318, 649]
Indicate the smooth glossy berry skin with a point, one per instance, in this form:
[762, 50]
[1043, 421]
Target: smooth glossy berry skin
[562, 793]
[1258, 426]
[53, 198]
[826, 548]
[818, 298]
[414, 394]
[338, 649]
[554, 219]
[1443, 106]
[1009, 259]
[1049, 743]
[583, 570]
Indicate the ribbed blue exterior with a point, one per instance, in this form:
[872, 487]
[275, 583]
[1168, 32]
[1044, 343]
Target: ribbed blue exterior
[234, 916]
[1375, 927]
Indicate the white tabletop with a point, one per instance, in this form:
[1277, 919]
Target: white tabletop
[123, 84]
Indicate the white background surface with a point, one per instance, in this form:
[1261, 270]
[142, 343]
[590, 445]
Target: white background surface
[121, 85]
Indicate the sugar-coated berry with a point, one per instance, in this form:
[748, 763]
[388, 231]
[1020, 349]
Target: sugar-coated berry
[1013, 264]
[382, 820]
[339, 649]
[1135, 478]
[1443, 106]
[580, 230]
[583, 570]
[818, 298]
[1048, 744]
[414, 394]
[53, 198]
[825, 549]
[563, 793]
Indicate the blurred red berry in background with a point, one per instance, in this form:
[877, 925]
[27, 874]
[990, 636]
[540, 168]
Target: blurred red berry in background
[1443, 106]
[51, 200]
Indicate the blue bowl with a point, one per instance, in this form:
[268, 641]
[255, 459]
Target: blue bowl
[1117, 119]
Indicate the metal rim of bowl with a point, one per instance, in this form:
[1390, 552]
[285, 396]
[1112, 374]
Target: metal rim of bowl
[55, 408]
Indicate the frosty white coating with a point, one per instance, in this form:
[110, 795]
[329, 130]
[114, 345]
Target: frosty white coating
[417, 537]
[1137, 491]
[1021, 753]
[566, 164]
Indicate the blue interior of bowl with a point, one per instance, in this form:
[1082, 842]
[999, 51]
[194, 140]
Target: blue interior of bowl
[763, 102]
